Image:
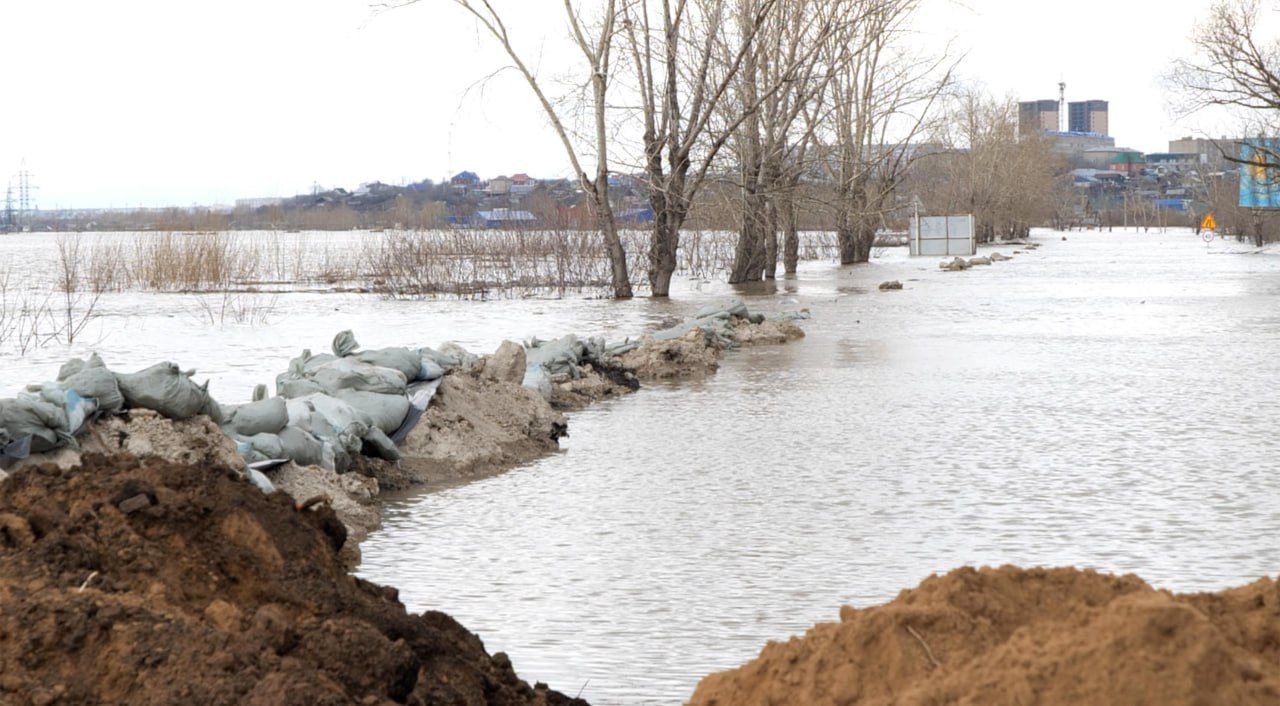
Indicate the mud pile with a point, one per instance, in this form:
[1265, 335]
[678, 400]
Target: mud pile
[1014, 636]
[477, 425]
[148, 582]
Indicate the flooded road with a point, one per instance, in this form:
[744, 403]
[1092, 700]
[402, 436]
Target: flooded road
[1109, 402]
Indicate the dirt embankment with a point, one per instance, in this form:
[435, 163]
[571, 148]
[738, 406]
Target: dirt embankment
[146, 582]
[477, 426]
[1012, 636]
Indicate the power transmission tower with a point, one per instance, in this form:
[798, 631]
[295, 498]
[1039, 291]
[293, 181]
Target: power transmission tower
[26, 202]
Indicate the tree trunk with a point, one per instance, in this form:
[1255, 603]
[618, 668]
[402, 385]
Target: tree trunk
[864, 239]
[749, 255]
[617, 255]
[662, 251]
[791, 236]
[771, 243]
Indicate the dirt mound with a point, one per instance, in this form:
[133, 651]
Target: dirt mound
[692, 355]
[595, 382]
[1014, 636]
[147, 582]
[142, 432]
[769, 332]
[477, 426]
[352, 496]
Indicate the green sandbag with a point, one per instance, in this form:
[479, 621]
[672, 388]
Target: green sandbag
[408, 362]
[386, 411]
[306, 450]
[44, 422]
[169, 391]
[267, 416]
[268, 446]
[379, 445]
[98, 383]
[351, 374]
[344, 344]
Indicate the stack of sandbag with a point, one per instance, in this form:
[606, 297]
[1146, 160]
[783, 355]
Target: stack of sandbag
[352, 401]
[49, 416]
[561, 359]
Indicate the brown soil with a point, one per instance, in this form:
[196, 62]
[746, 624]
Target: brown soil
[770, 332]
[593, 385]
[148, 582]
[142, 432]
[352, 496]
[477, 426]
[1011, 636]
[689, 356]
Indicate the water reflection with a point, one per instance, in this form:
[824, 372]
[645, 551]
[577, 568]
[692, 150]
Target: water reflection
[1103, 402]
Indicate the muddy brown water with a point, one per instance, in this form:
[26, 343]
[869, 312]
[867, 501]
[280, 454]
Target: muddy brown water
[1108, 402]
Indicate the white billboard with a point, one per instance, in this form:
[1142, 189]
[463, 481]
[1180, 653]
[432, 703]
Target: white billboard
[943, 236]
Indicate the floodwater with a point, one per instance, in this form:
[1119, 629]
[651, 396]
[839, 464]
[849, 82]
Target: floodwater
[1106, 402]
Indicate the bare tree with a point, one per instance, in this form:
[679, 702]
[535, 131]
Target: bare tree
[981, 165]
[687, 55]
[595, 42]
[786, 75]
[1235, 70]
[882, 100]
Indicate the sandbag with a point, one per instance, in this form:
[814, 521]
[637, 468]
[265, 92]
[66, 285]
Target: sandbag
[267, 416]
[307, 450]
[291, 387]
[431, 370]
[267, 446]
[387, 412]
[344, 344]
[46, 423]
[351, 374]
[408, 362]
[169, 391]
[450, 355]
[379, 445]
[332, 419]
[98, 383]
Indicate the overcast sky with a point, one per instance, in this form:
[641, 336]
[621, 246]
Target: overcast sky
[154, 102]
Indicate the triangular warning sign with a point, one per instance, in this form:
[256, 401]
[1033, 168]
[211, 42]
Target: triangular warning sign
[1208, 223]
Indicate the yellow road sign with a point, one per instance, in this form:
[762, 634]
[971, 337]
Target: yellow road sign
[1208, 223]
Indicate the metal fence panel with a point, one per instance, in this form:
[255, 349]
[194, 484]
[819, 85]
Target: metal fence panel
[935, 236]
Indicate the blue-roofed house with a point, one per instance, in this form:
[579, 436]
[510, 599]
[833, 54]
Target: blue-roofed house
[503, 218]
[464, 181]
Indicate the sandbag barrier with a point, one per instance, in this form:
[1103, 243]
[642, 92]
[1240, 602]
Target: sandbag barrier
[328, 408]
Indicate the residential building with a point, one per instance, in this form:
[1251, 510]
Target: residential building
[498, 186]
[1088, 116]
[503, 218]
[1166, 162]
[1211, 151]
[1074, 145]
[259, 202]
[522, 184]
[464, 181]
[1038, 116]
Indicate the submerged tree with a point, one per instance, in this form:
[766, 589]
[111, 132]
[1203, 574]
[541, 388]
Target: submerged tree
[785, 75]
[882, 100]
[594, 40]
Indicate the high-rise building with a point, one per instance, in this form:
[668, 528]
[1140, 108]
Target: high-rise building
[1037, 116]
[1211, 152]
[1087, 116]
